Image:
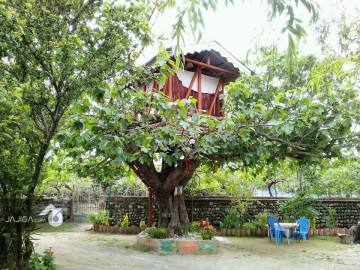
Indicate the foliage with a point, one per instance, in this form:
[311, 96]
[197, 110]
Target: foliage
[249, 225]
[330, 218]
[95, 217]
[156, 233]
[142, 224]
[193, 227]
[125, 222]
[313, 223]
[207, 233]
[299, 206]
[231, 220]
[262, 220]
[42, 262]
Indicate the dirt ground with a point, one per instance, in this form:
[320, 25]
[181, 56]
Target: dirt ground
[77, 248]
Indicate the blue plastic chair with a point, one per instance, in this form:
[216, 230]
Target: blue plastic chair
[276, 230]
[302, 229]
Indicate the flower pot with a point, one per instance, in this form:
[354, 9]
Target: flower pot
[96, 227]
[316, 231]
[101, 228]
[326, 231]
[311, 232]
[321, 232]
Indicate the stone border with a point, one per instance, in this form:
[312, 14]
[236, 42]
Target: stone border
[176, 245]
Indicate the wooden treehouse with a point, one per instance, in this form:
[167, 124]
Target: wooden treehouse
[207, 70]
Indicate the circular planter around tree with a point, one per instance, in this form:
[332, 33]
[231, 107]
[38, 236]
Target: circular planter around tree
[96, 227]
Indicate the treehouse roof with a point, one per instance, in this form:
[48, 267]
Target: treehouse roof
[210, 53]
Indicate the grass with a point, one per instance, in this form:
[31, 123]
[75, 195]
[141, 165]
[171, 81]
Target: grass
[46, 227]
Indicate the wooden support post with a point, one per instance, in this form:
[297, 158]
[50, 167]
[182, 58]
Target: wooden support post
[223, 100]
[214, 98]
[192, 83]
[170, 79]
[150, 207]
[199, 105]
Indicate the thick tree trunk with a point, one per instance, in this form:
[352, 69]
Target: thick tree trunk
[173, 214]
[168, 185]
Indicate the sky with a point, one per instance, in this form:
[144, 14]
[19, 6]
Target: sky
[241, 27]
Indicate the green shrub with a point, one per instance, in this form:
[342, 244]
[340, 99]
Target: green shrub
[142, 224]
[262, 220]
[42, 262]
[330, 219]
[119, 223]
[301, 205]
[193, 227]
[207, 234]
[232, 220]
[95, 217]
[125, 222]
[249, 225]
[156, 233]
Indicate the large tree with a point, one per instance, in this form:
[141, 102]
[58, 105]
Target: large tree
[308, 114]
[52, 53]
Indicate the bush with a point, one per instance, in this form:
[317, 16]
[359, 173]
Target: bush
[156, 233]
[262, 220]
[330, 219]
[207, 234]
[95, 217]
[42, 262]
[125, 222]
[249, 225]
[232, 220]
[194, 227]
[298, 207]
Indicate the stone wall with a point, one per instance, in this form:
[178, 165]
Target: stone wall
[215, 208]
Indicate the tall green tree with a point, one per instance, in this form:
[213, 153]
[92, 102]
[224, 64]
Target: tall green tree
[52, 52]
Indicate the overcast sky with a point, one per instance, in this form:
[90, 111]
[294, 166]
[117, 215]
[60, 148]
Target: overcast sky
[240, 27]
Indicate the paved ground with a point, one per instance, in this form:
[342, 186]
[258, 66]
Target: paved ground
[77, 248]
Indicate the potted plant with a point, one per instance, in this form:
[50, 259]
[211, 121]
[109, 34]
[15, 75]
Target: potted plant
[230, 222]
[142, 225]
[249, 226]
[95, 218]
[120, 227]
[125, 224]
[207, 233]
